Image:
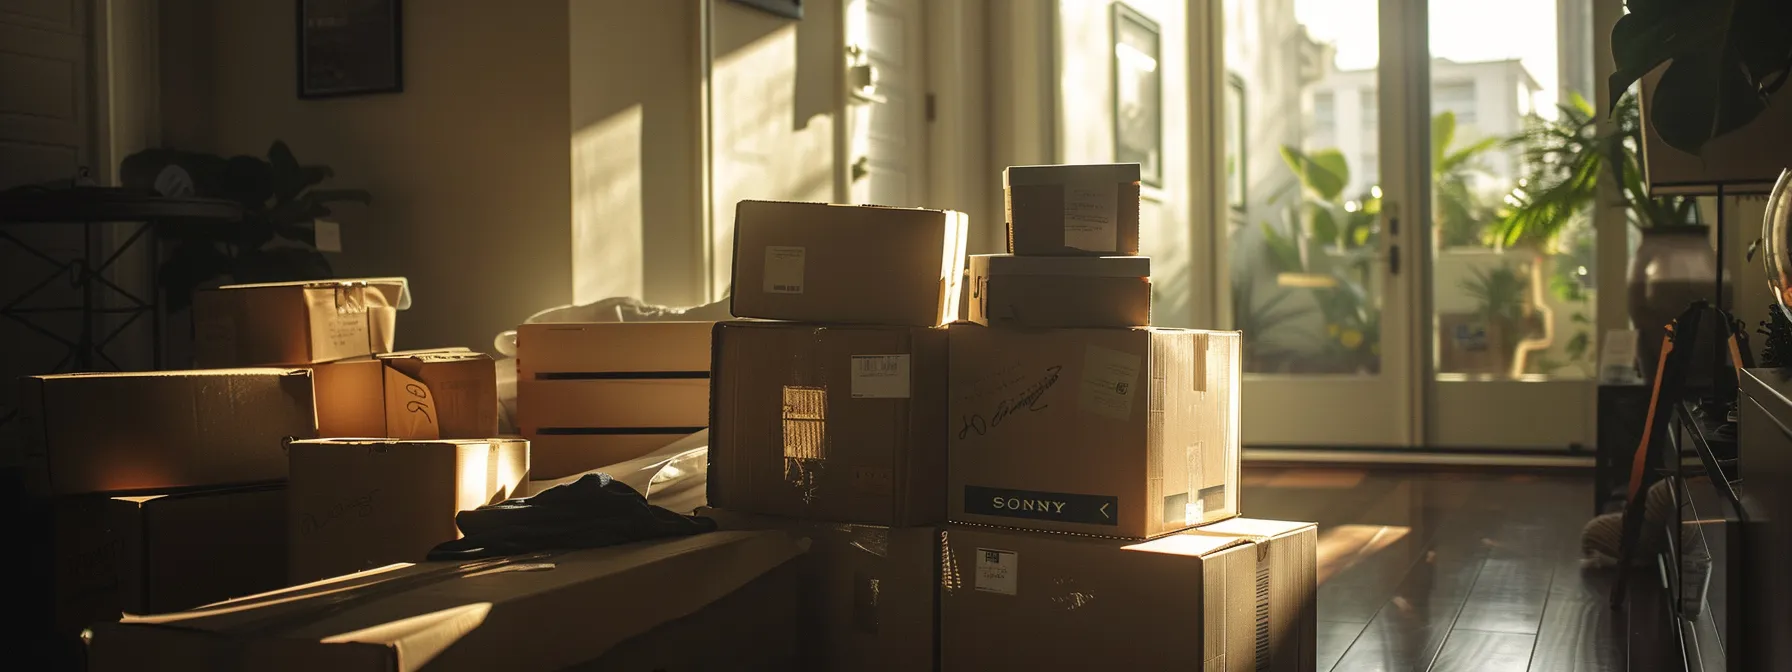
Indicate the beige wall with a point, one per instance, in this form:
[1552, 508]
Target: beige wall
[468, 166]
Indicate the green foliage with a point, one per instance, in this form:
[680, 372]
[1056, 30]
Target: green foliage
[1500, 293]
[1564, 160]
[1459, 214]
[1725, 59]
[274, 241]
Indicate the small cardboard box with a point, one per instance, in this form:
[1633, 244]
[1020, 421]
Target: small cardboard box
[1015, 291]
[424, 394]
[868, 593]
[861, 264]
[292, 323]
[1129, 433]
[593, 394]
[362, 503]
[91, 558]
[1072, 210]
[836, 423]
[717, 601]
[160, 430]
[1236, 597]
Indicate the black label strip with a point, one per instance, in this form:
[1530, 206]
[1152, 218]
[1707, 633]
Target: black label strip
[1035, 505]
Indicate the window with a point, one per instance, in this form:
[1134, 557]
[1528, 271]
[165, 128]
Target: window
[1324, 112]
[1454, 97]
[1371, 109]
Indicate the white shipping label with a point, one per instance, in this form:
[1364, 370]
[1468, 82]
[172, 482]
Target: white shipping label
[328, 235]
[1110, 381]
[880, 376]
[784, 269]
[1091, 216]
[998, 571]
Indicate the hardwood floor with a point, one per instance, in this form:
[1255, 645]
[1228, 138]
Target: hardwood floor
[1448, 571]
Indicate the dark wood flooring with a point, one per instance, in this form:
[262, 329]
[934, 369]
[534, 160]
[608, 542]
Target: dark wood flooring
[1449, 571]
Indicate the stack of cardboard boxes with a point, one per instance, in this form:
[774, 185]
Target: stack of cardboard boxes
[160, 491]
[1055, 424]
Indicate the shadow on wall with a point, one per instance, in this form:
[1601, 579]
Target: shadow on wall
[775, 91]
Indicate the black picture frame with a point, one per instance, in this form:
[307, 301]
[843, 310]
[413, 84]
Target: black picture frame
[1138, 93]
[789, 9]
[349, 47]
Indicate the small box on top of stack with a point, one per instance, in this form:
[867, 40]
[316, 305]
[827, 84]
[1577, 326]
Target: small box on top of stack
[832, 425]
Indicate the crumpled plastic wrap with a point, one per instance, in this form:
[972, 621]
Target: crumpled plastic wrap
[675, 477]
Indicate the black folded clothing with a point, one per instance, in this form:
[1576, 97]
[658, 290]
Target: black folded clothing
[592, 512]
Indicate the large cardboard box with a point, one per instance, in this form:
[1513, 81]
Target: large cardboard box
[91, 558]
[1129, 433]
[425, 394]
[1236, 597]
[593, 394]
[160, 430]
[836, 423]
[868, 593]
[362, 503]
[863, 264]
[1072, 210]
[290, 323]
[718, 601]
[1015, 291]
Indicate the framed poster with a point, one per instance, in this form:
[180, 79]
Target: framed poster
[1138, 94]
[349, 47]
[789, 9]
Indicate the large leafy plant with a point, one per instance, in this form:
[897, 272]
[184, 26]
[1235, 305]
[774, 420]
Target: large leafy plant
[1726, 59]
[276, 239]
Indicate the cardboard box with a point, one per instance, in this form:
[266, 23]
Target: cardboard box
[593, 394]
[424, 394]
[1014, 291]
[706, 602]
[180, 551]
[868, 593]
[1072, 210]
[363, 503]
[842, 424]
[160, 430]
[1129, 433]
[93, 558]
[1234, 598]
[861, 264]
[289, 323]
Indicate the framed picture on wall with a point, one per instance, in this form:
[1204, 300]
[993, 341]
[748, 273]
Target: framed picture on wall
[789, 9]
[349, 47]
[1138, 94]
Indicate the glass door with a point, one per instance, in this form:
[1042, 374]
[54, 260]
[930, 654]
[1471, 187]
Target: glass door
[1512, 271]
[1319, 262]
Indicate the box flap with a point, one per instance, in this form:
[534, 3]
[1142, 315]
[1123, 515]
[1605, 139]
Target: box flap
[1092, 267]
[1193, 545]
[375, 441]
[266, 371]
[396, 290]
[1253, 527]
[538, 611]
[1020, 176]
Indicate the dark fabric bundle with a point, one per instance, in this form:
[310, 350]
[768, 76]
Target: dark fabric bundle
[591, 512]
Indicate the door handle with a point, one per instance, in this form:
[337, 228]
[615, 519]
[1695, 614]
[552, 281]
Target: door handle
[1393, 259]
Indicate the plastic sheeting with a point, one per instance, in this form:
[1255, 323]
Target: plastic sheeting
[675, 477]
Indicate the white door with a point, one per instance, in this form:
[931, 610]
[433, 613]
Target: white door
[1323, 213]
[886, 102]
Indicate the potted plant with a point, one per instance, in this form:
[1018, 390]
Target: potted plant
[1725, 61]
[276, 239]
[1565, 158]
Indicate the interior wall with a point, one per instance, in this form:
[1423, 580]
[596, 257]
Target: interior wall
[468, 166]
[636, 202]
[1086, 135]
[775, 94]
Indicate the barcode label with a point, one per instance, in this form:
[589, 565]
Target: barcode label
[998, 571]
[784, 269]
[880, 377]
